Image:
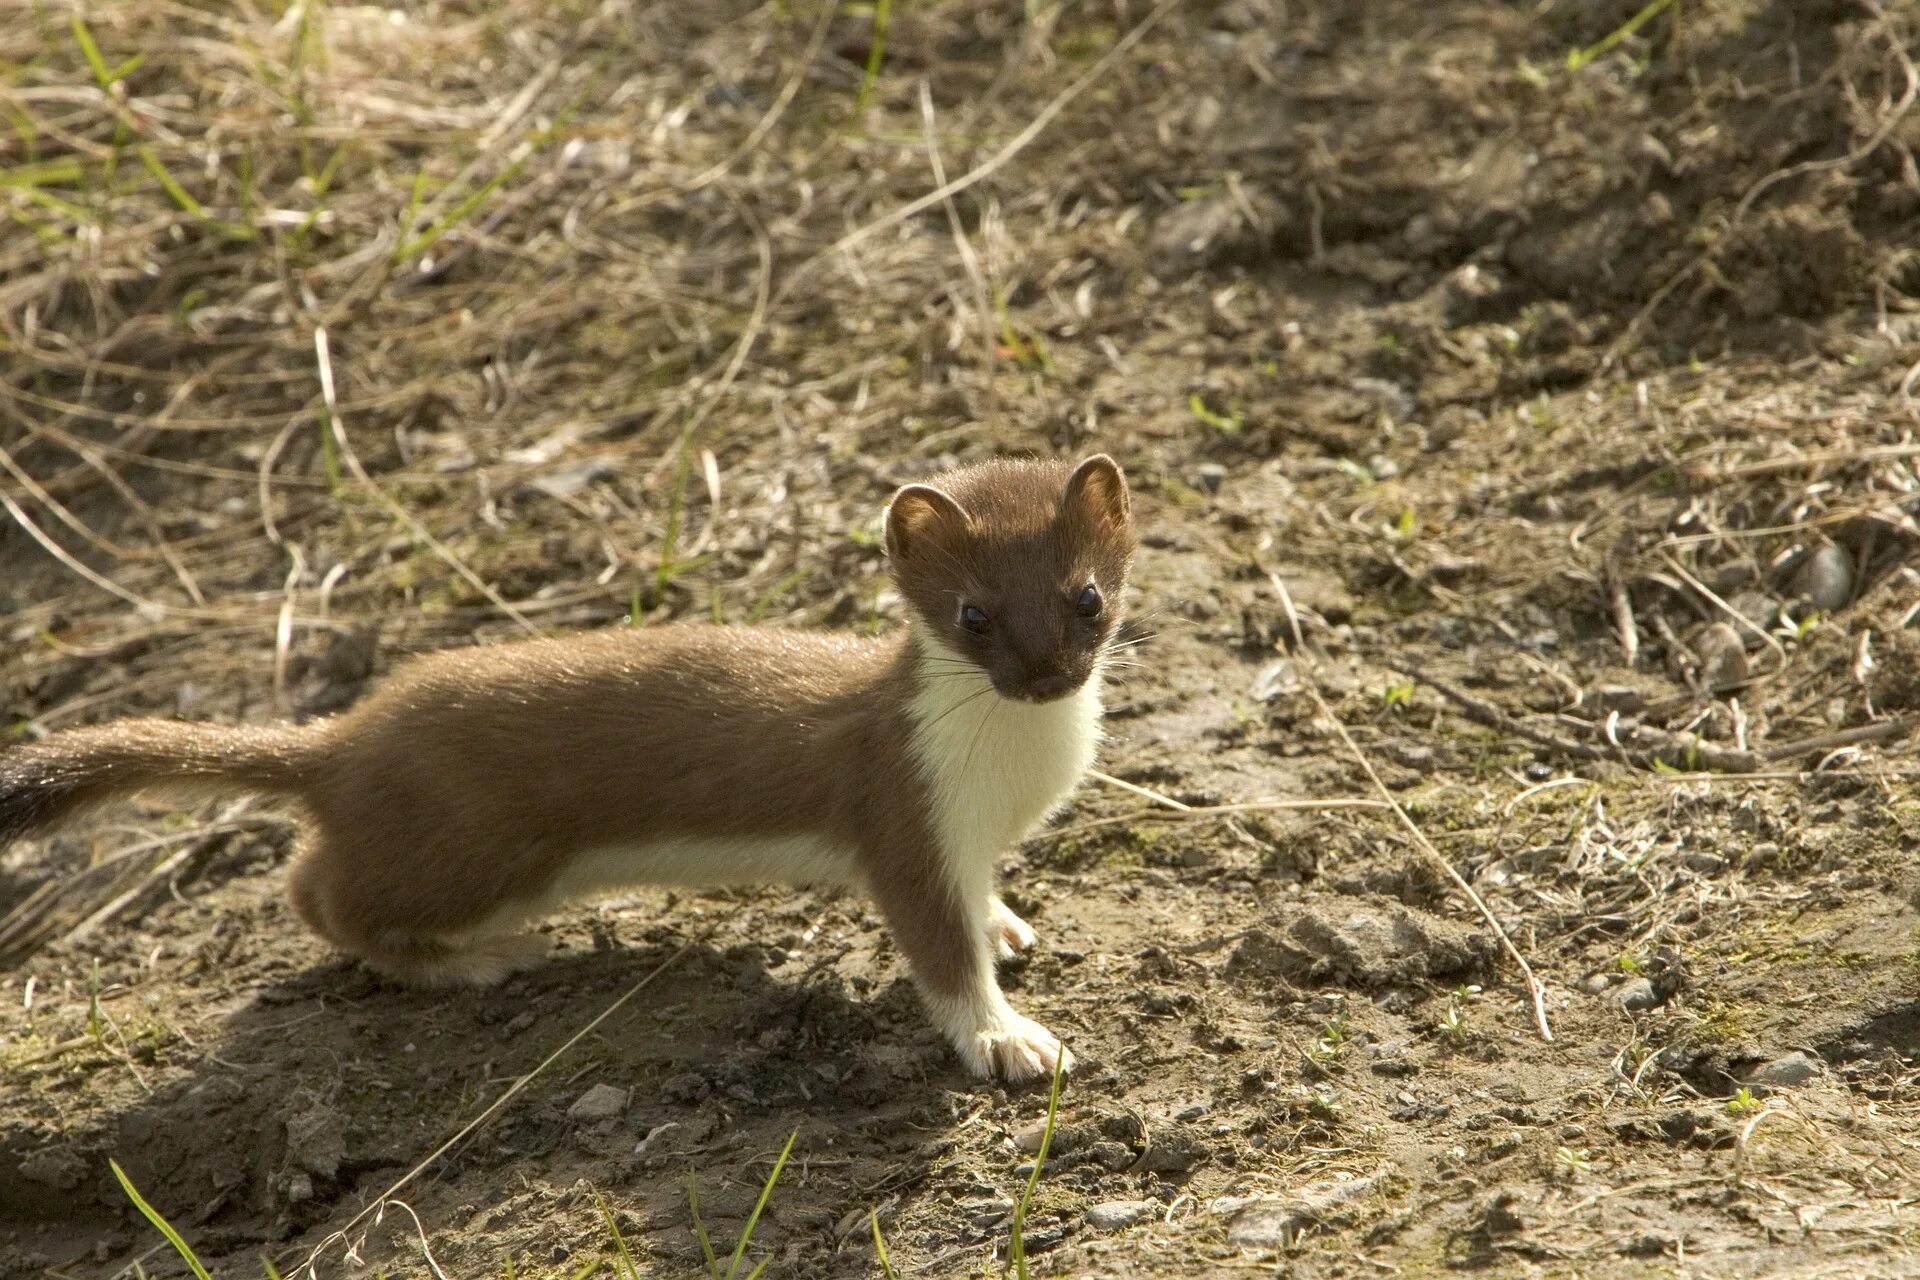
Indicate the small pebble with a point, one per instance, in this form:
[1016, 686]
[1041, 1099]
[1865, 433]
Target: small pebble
[1787, 1071]
[1722, 655]
[1825, 578]
[1638, 995]
[1116, 1214]
[602, 1102]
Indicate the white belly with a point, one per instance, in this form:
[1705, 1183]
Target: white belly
[796, 860]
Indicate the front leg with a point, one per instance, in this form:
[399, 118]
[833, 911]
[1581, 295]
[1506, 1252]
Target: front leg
[1007, 933]
[946, 936]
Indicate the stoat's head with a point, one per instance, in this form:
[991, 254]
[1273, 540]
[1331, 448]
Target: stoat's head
[1017, 568]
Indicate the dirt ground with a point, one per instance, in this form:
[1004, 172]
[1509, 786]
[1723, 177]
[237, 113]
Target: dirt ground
[1529, 384]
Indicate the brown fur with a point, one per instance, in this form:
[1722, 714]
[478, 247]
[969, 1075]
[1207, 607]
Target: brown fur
[445, 807]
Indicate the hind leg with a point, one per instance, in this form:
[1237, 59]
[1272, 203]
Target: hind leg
[477, 956]
[467, 962]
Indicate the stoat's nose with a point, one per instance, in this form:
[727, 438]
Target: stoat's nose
[1047, 688]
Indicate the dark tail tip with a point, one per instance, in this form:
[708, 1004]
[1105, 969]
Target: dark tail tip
[31, 795]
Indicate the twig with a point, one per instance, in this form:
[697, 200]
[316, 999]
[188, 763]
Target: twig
[1162, 800]
[1624, 621]
[1844, 738]
[1293, 614]
[1211, 811]
[1772, 641]
[1798, 462]
[1535, 992]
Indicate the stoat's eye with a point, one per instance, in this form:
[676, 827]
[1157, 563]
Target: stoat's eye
[974, 619]
[1090, 604]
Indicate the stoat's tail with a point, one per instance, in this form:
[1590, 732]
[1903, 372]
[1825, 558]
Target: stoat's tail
[46, 781]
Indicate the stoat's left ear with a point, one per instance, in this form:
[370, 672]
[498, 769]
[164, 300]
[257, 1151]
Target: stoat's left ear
[921, 517]
[1098, 489]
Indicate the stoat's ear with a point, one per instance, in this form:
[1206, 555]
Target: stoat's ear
[1098, 490]
[921, 516]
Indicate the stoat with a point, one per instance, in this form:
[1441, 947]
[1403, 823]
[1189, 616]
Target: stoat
[478, 789]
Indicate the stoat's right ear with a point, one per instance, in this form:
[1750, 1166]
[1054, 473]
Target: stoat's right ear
[920, 516]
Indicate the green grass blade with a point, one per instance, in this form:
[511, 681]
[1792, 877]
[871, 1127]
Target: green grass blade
[876, 54]
[181, 196]
[774, 592]
[625, 1268]
[1018, 1245]
[676, 506]
[154, 1216]
[880, 1246]
[753, 1219]
[700, 1231]
[1580, 58]
[91, 52]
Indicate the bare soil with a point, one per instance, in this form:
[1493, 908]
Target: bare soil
[1550, 421]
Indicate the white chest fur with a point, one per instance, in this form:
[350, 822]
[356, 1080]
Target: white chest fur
[995, 767]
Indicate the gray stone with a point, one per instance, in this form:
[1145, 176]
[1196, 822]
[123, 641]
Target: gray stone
[1275, 1222]
[1787, 1071]
[1174, 1150]
[316, 1140]
[56, 1167]
[602, 1102]
[1722, 655]
[1825, 577]
[1638, 995]
[1116, 1214]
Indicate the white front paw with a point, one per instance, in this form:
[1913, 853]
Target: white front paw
[1013, 1049]
[1009, 934]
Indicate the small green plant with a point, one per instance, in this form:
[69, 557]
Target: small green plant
[1333, 1039]
[1453, 1023]
[1792, 628]
[1743, 1103]
[1227, 424]
[1395, 696]
[1017, 1242]
[1572, 1162]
